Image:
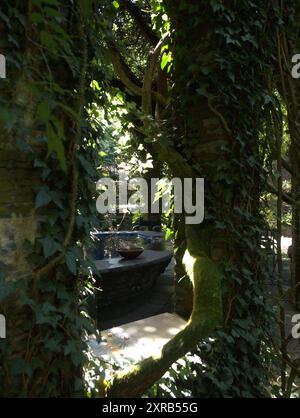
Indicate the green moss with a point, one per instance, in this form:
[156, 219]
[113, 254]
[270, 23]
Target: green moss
[206, 316]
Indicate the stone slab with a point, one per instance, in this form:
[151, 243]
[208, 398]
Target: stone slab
[137, 340]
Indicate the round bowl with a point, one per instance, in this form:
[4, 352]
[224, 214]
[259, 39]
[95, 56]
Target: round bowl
[130, 254]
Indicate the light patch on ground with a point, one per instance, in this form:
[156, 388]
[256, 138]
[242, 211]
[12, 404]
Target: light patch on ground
[137, 340]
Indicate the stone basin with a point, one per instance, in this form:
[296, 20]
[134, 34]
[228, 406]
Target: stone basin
[123, 283]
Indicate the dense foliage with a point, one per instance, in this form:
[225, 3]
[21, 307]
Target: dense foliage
[45, 119]
[202, 99]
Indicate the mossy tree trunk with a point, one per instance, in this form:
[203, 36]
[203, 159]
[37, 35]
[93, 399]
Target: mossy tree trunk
[212, 141]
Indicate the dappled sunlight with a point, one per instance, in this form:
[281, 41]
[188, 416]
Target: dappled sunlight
[149, 172]
[150, 329]
[135, 341]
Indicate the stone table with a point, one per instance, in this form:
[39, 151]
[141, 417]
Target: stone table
[123, 282]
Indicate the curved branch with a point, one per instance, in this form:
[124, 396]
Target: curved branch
[127, 77]
[123, 71]
[148, 79]
[166, 153]
[141, 20]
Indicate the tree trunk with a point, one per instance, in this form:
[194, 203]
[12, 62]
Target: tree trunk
[207, 144]
[43, 351]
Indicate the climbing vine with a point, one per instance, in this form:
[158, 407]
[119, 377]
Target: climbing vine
[44, 118]
[234, 78]
[202, 98]
[215, 127]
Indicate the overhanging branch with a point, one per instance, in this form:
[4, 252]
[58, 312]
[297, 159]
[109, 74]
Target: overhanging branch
[148, 79]
[126, 75]
[141, 20]
[123, 71]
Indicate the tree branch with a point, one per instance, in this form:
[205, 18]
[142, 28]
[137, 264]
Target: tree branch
[123, 71]
[148, 79]
[141, 20]
[126, 75]
[285, 197]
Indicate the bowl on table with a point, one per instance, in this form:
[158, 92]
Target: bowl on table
[130, 253]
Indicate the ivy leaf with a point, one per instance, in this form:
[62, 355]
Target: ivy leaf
[43, 111]
[6, 288]
[58, 199]
[47, 40]
[70, 258]
[42, 198]
[52, 345]
[216, 5]
[165, 60]
[50, 11]
[20, 366]
[89, 168]
[55, 144]
[206, 70]
[50, 246]
[48, 308]
[78, 357]
[37, 18]
[70, 347]
[202, 90]
[5, 19]
[8, 118]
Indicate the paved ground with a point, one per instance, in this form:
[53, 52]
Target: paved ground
[130, 343]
